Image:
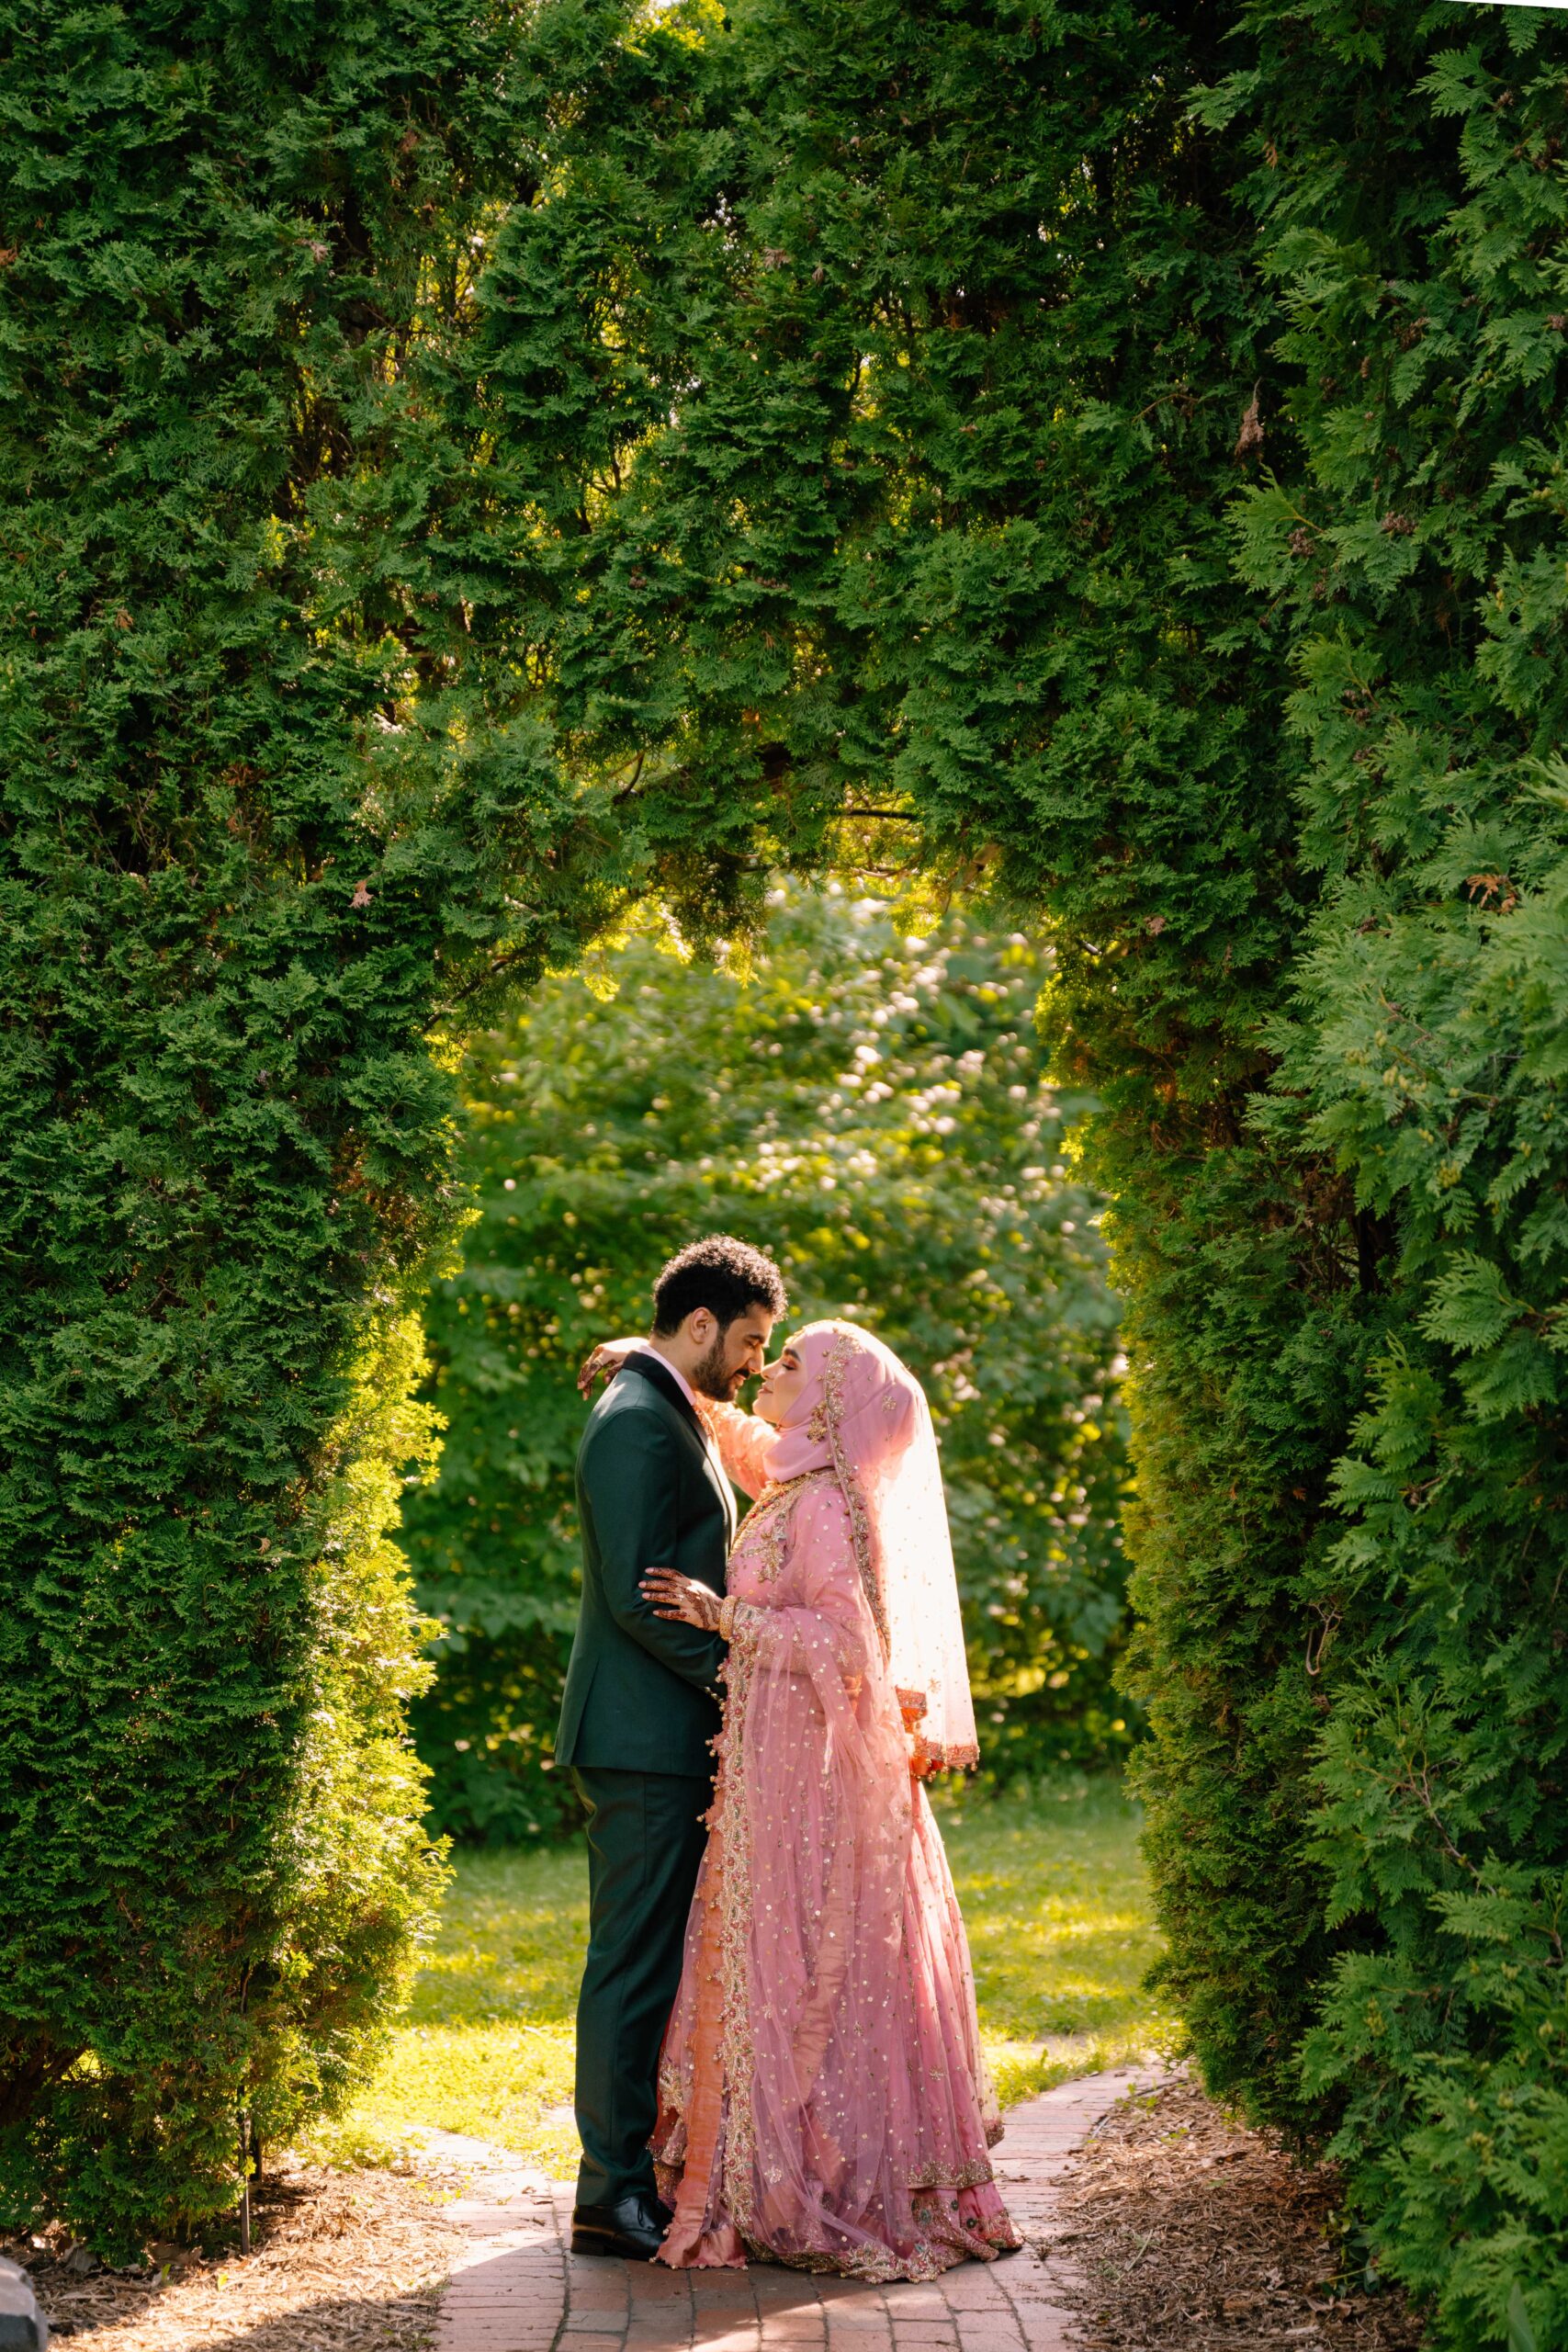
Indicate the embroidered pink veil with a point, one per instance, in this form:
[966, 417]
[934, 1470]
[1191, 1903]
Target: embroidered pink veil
[864, 1416]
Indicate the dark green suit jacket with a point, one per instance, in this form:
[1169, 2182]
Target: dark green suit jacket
[641, 1693]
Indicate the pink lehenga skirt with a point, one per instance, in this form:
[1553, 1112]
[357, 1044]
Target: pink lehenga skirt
[823, 2098]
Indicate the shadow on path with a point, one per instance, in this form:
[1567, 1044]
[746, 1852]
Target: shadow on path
[521, 2290]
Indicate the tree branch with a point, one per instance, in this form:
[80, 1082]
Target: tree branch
[491, 972]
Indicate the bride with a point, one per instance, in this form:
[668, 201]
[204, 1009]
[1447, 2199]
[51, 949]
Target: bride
[823, 2099]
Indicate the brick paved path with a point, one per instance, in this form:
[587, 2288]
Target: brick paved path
[519, 2291]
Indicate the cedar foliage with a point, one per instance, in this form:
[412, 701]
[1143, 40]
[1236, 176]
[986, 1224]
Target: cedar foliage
[1118, 450]
[226, 1144]
[1415, 228]
[258, 840]
[869, 1102]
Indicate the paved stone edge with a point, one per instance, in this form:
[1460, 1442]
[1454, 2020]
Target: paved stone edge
[517, 2289]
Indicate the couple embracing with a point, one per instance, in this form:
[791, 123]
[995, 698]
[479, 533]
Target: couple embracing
[777, 2047]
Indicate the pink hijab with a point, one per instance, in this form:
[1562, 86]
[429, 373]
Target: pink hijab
[864, 1416]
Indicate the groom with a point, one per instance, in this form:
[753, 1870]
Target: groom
[641, 1706]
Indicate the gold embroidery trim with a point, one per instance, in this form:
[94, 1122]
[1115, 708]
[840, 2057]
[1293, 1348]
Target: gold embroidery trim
[764, 1540]
[738, 2052]
[831, 1409]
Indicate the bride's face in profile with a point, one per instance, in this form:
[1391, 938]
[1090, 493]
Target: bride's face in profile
[782, 1383]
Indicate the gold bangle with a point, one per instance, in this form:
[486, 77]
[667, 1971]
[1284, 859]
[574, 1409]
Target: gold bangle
[727, 1617]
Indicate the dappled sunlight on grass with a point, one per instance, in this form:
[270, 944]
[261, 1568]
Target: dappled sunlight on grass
[487, 2048]
[1053, 1891]
[1056, 1903]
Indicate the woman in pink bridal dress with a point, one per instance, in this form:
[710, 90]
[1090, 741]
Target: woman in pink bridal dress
[823, 2099]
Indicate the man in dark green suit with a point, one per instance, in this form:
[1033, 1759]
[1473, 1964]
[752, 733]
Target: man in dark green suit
[641, 1705]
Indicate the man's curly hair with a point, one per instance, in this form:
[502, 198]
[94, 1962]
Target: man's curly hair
[723, 1275]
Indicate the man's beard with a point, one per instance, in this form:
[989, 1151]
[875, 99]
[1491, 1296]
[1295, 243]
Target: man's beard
[709, 1377]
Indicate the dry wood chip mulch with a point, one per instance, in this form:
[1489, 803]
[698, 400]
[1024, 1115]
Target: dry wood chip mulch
[1194, 2235]
[340, 2261]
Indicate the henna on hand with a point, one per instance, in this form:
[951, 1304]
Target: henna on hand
[682, 1599]
[603, 1359]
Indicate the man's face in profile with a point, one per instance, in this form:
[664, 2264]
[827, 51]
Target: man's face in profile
[735, 1357]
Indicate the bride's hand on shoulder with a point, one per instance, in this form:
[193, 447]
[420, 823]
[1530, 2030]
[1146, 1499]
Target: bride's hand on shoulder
[606, 1358]
[682, 1599]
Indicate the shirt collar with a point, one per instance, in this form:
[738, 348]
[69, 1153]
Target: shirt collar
[680, 1379]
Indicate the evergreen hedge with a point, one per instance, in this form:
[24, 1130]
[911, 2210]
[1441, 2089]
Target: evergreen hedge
[868, 1099]
[1416, 545]
[1121, 450]
[262, 847]
[462, 477]
[225, 1143]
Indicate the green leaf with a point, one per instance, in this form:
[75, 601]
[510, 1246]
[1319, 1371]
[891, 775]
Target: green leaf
[1521, 2335]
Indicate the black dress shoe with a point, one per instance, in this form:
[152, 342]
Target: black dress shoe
[634, 2229]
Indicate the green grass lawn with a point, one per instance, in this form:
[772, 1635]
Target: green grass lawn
[1053, 1891]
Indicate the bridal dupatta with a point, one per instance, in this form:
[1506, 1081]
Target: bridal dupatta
[823, 2099]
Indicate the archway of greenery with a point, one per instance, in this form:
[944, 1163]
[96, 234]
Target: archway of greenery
[471, 468]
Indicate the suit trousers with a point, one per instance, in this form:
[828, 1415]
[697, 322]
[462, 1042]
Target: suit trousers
[645, 1837]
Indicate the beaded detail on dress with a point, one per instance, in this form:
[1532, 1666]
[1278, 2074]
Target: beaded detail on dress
[823, 2099]
[764, 1538]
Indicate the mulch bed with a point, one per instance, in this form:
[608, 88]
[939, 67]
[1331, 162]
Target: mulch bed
[340, 2261]
[1191, 2234]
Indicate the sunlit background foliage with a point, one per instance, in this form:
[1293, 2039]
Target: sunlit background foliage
[868, 1102]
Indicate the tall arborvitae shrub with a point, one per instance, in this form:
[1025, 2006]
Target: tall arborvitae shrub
[1410, 190]
[262, 843]
[1122, 448]
[225, 1145]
